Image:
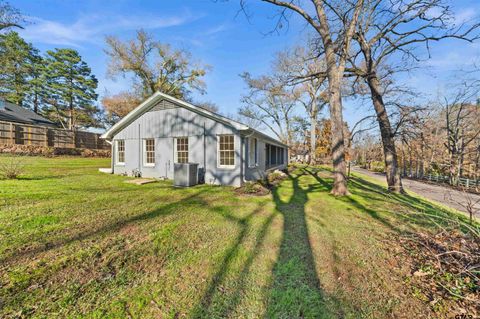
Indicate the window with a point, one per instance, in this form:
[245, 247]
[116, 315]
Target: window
[182, 150]
[252, 152]
[149, 152]
[120, 152]
[226, 151]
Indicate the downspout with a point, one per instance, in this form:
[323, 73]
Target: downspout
[242, 162]
[204, 155]
[140, 153]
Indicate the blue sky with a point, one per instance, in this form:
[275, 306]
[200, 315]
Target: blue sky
[216, 34]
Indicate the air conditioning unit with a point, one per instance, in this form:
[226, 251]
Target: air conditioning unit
[185, 174]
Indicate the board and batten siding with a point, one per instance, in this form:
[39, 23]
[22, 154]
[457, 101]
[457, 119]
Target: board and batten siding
[166, 121]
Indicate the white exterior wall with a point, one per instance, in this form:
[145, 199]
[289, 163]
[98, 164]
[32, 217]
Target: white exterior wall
[259, 171]
[166, 124]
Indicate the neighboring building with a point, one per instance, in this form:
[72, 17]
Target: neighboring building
[164, 130]
[13, 113]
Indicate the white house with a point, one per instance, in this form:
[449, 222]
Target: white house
[164, 130]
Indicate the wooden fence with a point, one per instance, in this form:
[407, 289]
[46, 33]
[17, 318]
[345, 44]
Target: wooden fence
[24, 134]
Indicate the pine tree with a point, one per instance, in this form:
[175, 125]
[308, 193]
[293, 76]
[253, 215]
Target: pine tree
[22, 78]
[15, 61]
[71, 90]
[37, 94]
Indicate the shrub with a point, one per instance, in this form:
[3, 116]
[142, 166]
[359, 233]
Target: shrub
[377, 166]
[276, 177]
[253, 188]
[250, 188]
[11, 167]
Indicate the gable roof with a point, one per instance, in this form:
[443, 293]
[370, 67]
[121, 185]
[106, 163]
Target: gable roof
[159, 96]
[13, 113]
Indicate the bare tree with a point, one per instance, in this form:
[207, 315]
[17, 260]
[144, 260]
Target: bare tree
[9, 16]
[462, 125]
[297, 65]
[119, 105]
[386, 28]
[155, 66]
[271, 103]
[335, 23]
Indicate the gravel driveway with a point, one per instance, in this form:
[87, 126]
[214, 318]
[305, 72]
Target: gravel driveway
[444, 195]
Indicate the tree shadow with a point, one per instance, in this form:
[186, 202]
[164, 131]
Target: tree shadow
[415, 211]
[350, 200]
[206, 304]
[112, 227]
[296, 291]
[412, 211]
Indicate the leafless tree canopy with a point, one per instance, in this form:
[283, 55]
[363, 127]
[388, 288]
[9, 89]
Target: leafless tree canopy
[271, 103]
[155, 66]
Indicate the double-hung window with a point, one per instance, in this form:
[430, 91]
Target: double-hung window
[182, 149]
[252, 152]
[120, 147]
[149, 152]
[226, 151]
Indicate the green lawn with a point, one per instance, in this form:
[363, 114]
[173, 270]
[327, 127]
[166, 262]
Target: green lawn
[78, 243]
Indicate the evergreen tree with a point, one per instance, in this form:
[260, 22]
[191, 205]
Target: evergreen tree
[37, 93]
[71, 90]
[22, 79]
[15, 62]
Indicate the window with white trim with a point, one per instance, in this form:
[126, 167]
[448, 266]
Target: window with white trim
[120, 151]
[252, 152]
[149, 152]
[182, 150]
[226, 151]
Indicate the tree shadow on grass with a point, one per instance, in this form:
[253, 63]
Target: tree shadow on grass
[296, 290]
[350, 200]
[414, 211]
[411, 212]
[213, 300]
[112, 227]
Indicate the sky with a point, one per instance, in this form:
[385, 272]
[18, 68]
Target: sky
[217, 34]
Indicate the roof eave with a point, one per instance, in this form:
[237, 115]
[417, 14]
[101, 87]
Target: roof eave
[267, 137]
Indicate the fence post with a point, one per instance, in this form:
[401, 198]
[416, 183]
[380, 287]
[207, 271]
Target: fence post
[12, 135]
[467, 185]
[45, 130]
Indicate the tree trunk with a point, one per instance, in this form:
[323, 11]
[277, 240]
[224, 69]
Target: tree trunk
[313, 139]
[338, 143]
[70, 117]
[35, 103]
[313, 129]
[394, 180]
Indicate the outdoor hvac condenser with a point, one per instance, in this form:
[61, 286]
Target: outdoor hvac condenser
[185, 174]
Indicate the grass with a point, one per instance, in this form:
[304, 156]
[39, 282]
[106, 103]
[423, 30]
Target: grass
[77, 243]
